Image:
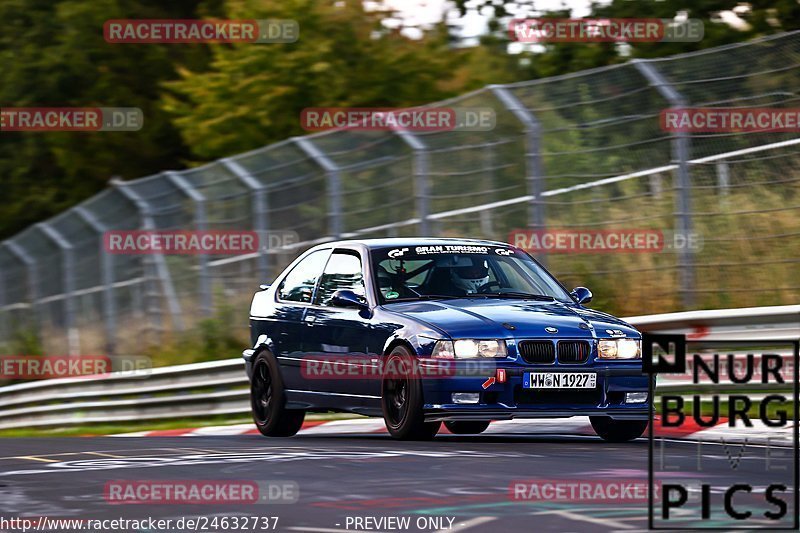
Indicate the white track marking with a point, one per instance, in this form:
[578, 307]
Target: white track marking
[324, 530]
[469, 523]
[583, 518]
[461, 526]
[359, 425]
[235, 429]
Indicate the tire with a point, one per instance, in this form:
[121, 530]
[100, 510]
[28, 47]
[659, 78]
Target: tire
[402, 399]
[268, 400]
[472, 427]
[612, 430]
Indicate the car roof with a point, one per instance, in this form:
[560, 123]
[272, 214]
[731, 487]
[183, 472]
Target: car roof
[410, 241]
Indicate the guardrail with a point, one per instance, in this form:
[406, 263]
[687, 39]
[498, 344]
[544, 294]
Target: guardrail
[221, 388]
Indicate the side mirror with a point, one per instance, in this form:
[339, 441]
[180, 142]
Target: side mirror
[582, 295]
[347, 298]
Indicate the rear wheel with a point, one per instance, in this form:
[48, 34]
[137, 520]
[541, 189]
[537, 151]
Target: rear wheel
[268, 400]
[466, 428]
[617, 430]
[402, 399]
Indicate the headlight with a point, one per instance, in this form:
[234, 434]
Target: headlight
[469, 348]
[619, 349]
[443, 350]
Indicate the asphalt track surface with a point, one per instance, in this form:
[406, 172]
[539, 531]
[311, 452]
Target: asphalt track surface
[463, 478]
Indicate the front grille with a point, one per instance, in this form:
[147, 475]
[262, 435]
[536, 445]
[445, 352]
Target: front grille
[537, 352]
[573, 352]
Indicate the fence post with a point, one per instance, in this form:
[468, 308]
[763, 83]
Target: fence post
[333, 175]
[656, 187]
[107, 273]
[260, 206]
[683, 182]
[486, 219]
[33, 281]
[421, 178]
[68, 266]
[201, 223]
[4, 329]
[161, 268]
[723, 177]
[533, 155]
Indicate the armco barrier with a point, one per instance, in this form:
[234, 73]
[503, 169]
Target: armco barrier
[221, 388]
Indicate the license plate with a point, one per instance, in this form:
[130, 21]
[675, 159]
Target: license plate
[559, 380]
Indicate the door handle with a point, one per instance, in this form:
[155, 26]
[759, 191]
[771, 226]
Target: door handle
[310, 319]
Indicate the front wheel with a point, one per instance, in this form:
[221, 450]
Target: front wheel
[466, 428]
[617, 430]
[402, 399]
[268, 400]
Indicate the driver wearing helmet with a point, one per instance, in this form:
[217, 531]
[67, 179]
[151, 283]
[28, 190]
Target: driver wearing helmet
[470, 278]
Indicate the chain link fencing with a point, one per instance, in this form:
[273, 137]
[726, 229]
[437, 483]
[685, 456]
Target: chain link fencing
[582, 150]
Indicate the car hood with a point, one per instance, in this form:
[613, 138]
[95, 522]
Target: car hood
[505, 318]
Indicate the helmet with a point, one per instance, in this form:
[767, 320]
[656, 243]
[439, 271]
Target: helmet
[470, 278]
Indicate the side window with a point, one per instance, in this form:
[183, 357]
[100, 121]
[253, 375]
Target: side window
[343, 271]
[298, 286]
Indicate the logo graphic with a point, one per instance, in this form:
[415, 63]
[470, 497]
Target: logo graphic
[71, 119]
[737, 404]
[731, 119]
[550, 329]
[181, 242]
[398, 119]
[397, 252]
[580, 490]
[503, 251]
[132, 31]
[604, 241]
[609, 30]
[663, 354]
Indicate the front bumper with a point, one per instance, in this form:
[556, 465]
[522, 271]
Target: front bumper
[248, 355]
[509, 400]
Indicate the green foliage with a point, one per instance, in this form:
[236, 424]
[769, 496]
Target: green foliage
[220, 336]
[23, 340]
[253, 94]
[53, 54]
[206, 101]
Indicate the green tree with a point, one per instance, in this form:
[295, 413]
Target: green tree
[253, 94]
[53, 54]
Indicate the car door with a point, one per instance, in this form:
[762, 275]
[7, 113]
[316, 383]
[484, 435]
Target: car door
[338, 333]
[292, 299]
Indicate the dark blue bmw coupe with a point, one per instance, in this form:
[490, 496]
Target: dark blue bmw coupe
[425, 331]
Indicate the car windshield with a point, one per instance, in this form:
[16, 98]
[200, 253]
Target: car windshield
[457, 271]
